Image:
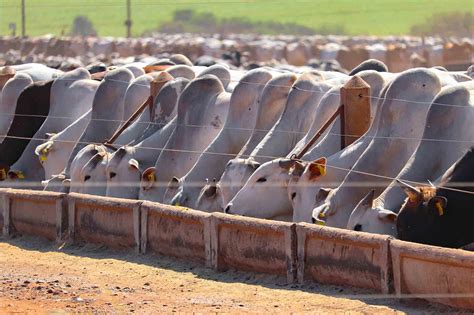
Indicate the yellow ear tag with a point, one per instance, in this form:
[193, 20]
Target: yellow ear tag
[322, 223]
[43, 158]
[3, 174]
[20, 175]
[151, 177]
[321, 215]
[322, 170]
[177, 204]
[439, 208]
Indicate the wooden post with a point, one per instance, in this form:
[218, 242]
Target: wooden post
[128, 22]
[355, 117]
[23, 17]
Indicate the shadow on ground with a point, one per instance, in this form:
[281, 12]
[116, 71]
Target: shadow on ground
[407, 304]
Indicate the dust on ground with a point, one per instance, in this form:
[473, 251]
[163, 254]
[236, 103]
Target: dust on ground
[40, 277]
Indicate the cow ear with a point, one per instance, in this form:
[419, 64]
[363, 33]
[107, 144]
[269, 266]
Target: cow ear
[414, 195]
[211, 189]
[322, 194]
[134, 163]
[297, 169]
[438, 205]
[148, 178]
[174, 183]
[67, 182]
[286, 164]
[317, 168]
[252, 163]
[368, 200]
[387, 215]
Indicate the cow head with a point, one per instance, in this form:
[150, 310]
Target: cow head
[300, 188]
[265, 194]
[366, 218]
[123, 174]
[210, 197]
[422, 215]
[323, 206]
[93, 175]
[172, 190]
[236, 173]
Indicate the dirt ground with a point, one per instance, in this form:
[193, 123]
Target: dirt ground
[40, 277]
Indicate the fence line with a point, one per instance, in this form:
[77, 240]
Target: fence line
[276, 157]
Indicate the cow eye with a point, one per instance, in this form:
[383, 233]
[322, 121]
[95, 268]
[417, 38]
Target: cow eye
[112, 175]
[293, 195]
[87, 177]
[358, 227]
[261, 180]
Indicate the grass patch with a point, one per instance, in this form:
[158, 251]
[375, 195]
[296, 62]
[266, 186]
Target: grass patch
[362, 17]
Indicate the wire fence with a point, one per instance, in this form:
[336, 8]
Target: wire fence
[232, 155]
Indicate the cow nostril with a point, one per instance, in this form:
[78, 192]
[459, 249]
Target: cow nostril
[313, 219]
[227, 209]
[358, 227]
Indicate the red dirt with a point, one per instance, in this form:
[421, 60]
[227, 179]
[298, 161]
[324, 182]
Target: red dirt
[39, 277]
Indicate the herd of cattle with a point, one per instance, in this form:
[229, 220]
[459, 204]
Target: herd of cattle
[220, 139]
[242, 50]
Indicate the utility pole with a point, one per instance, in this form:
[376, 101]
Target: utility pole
[128, 22]
[23, 32]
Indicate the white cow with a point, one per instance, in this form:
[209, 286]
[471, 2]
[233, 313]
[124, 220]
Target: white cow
[194, 131]
[305, 188]
[326, 108]
[88, 157]
[407, 100]
[107, 111]
[54, 153]
[126, 166]
[272, 103]
[302, 107]
[236, 131]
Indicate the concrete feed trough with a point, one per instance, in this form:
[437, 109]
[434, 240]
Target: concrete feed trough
[177, 232]
[335, 256]
[253, 245]
[102, 220]
[437, 274]
[27, 212]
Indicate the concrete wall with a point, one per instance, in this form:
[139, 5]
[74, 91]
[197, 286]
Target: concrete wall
[101, 220]
[336, 256]
[2, 206]
[34, 213]
[297, 251]
[440, 275]
[173, 231]
[253, 245]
